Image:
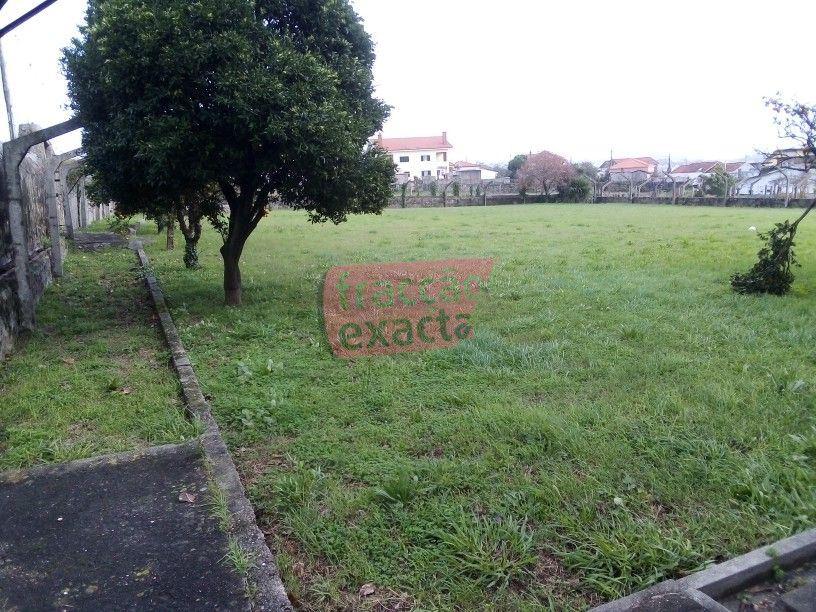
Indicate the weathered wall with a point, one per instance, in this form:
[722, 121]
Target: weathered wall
[436, 201]
[427, 201]
[33, 176]
[758, 202]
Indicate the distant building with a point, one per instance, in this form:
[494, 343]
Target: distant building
[786, 171]
[424, 157]
[696, 172]
[471, 172]
[628, 170]
[628, 165]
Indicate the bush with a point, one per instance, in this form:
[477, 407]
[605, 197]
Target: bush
[576, 190]
[120, 225]
[772, 273]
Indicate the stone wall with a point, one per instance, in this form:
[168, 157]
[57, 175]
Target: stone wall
[41, 278]
[750, 201]
[427, 201]
[451, 202]
[33, 176]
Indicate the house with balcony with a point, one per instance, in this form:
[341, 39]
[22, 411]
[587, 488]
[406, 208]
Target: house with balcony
[424, 157]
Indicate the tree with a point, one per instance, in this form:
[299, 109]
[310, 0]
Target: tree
[546, 170]
[268, 100]
[515, 164]
[576, 189]
[772, 272]
[719, 183]
[190, 212]
[586, 169]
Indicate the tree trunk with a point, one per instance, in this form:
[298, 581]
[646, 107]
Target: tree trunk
[232, 275]
[171, 234]
[191, 230]
[191, 252]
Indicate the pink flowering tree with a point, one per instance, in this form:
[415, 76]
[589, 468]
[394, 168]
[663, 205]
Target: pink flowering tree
[546, 170]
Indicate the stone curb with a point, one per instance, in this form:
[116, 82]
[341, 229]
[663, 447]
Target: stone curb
[269, 593]
[729, 576]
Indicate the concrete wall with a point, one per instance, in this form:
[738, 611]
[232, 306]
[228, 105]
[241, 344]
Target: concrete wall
[41, 278]
[464, 200]
[757, 201]
[33, 177]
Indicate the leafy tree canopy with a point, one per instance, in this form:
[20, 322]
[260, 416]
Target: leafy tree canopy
[265, 99]
[515, 164]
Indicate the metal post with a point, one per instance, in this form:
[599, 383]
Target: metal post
[6, 94]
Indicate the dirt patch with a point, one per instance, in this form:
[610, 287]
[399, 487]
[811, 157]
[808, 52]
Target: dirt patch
[256, 461]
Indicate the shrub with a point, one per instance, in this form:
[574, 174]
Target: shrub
[575, 190]
[120, 225]
[772, 273]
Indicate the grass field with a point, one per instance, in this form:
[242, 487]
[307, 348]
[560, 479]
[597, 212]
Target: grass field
[94, 377]
[620, 417]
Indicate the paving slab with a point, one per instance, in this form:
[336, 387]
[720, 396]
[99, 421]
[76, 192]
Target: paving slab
[111, 534]
[88, 241]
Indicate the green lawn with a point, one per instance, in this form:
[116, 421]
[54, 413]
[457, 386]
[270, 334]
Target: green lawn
[621, 416]
[94, 377]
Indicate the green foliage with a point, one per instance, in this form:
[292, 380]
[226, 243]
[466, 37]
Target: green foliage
[576, 190]
[772, 273]
[120, 225]
[259, 98]
[718, 183]
[586, 169]
[578, 420]
[92, 379]
[401, 489]
[434, 188]
[403, 192]
[515, 165]
[491, 552]
[456, 190]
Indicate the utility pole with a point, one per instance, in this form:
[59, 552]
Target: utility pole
[6, 94]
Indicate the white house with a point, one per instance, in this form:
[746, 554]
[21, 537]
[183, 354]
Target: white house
[470, 172]
[419, 156]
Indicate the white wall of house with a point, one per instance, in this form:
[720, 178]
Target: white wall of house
[423, 164]
[774, 183]
[474, 174]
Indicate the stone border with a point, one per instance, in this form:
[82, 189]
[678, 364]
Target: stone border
[729, 576]
[269, 593]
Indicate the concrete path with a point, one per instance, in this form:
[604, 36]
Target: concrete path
[111, 533]
[87, 241]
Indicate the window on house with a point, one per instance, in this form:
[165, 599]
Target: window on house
[426, 173]
[404, 159]
[425, 158]
[442, 156]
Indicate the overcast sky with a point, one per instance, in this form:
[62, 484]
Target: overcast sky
[579, 78]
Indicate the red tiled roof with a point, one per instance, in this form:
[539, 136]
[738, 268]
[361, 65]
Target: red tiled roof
[632, 164]
[466, 164]
[416, 143]
[733, 166]
[706, 166]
